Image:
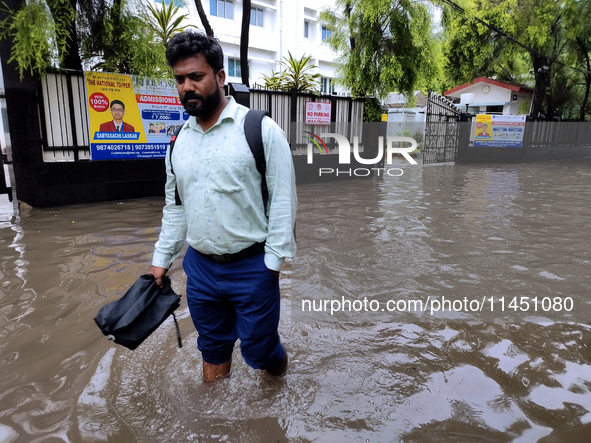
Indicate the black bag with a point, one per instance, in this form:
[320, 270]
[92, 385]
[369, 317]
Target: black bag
[131, 319]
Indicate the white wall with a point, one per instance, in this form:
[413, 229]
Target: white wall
[495, 95]
[405, 119]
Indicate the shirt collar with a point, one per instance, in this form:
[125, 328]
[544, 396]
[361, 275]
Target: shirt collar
[229, 113]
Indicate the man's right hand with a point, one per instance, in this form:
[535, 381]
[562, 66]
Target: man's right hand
[158, 273]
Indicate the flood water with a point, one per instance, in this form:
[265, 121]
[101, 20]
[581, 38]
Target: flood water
[459, 232]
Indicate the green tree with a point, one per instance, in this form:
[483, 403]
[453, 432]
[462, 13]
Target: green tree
[40, 32]
[503, 37]
[578, 16]
[372, 111]
[115, 39]
[383, 45]
[273, 81]
[295, 75]
[60, 34]
[63, 12]
[166, 21]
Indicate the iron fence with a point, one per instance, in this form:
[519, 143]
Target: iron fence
[442, 130]
[64, 115]
[288, 110]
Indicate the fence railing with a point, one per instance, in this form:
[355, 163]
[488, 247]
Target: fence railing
[442, 135]
[64, 115]
[288, 110]
[551, 134]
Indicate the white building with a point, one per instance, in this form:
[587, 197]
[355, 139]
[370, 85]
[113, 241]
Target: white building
[404, 120]
[487, 96]
[277, 28]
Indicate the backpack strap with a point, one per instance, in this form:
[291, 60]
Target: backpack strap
[253, 132]
[254, 138]
[177, 197]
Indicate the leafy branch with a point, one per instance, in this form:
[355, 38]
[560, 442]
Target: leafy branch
[296, 75]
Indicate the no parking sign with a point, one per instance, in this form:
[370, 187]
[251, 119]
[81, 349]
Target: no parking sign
[318, 113]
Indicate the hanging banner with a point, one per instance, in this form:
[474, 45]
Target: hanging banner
[504, 131]
[131, 117]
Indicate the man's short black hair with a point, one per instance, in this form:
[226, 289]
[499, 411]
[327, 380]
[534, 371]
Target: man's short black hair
[187, 44]
[117, 102]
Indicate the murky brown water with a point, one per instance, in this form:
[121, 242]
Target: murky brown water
[461, 231]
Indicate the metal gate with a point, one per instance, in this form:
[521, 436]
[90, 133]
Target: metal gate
[442, 130]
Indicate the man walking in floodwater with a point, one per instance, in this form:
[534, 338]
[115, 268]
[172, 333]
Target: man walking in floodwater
[236, 249]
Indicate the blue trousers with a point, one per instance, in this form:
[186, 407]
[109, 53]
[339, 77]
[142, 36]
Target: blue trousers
[234, 300]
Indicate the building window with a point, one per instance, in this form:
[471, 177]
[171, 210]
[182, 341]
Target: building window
[222, 8]
[306, 29]
[179, 3]
[256, 17]
[495, 109]
[234, 68]
[326, 85]
[325, 33]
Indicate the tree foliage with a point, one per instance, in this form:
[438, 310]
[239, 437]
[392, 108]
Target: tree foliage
[273, 81]
[116, 39]
[39, 37]
[384, 45]
[106, 35]
[166, 21]
[523, 42]
[578, 17]
[295, 75]
[372, 111]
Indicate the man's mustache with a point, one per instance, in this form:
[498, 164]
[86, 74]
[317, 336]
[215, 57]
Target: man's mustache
[191, 96]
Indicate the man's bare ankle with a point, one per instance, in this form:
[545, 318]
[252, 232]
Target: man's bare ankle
[213, 372]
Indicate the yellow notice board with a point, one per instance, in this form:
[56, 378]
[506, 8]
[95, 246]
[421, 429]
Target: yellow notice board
[501, 131]
[131, 117]
[483, 127]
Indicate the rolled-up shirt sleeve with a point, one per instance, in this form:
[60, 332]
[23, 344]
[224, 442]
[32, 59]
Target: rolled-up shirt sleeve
[280, 177]
[174, 224]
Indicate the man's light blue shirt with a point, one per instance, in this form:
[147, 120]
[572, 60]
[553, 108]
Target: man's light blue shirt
[220, 187]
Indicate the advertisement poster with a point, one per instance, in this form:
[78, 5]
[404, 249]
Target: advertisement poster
[504, 131]
[131, 117]
[318, 113]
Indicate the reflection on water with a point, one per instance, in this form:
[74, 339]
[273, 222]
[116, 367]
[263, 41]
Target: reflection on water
[436, 231]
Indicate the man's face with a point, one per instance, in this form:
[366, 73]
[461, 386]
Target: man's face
[118, 112]
[198, 85]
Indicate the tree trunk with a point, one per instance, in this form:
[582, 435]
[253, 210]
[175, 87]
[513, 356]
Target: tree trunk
[586, 96]
[585, 54]
[203, 17]
[550, 109]
[348, 12]
[244, 32]
[71, 56]
[541, 73]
